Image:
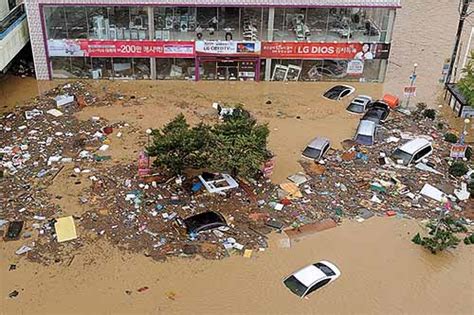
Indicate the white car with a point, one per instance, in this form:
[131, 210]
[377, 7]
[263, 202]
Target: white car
[359, 104]
[312, 277]
[412, 152]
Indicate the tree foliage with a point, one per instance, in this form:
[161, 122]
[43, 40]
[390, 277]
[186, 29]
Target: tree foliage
[237, 145]
[466, 84]
[458, 169]
[178, 146]
[241, 145]
[441, 235]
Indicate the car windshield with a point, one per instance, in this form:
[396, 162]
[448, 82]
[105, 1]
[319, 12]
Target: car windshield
[327, 271]
[363, 139]
[295, 286]
[334, 92]
[401, 155]
[311, 152]
[356, 108]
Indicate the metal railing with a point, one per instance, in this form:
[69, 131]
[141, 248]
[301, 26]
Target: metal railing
[12, 20]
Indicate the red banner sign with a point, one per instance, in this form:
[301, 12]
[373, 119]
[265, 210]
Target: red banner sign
[305, 50]
[121, 48]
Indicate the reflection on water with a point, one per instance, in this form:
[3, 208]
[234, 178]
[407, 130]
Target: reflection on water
[15, 90]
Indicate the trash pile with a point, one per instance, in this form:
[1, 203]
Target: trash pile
[364, 181]
[139, 209]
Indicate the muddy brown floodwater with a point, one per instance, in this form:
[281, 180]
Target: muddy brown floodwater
[382, 271]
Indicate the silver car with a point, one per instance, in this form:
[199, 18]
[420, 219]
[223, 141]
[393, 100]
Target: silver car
[316, 148]
[359, 104]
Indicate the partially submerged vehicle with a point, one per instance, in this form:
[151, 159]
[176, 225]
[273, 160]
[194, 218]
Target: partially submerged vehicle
[204, 221]
[311, 278]
[316, 148]
[359, 104]
[338, 92]
[378, 112]
[365, 133]
[412, 152]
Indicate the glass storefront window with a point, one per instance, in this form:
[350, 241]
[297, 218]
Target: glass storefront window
[175, 69]
[290, 24]
[122, 68]
[98, 21]
[175, 23]
[56, 26]
[102, 68]
[61, 67]
[371, 70]
[141, 68]
[81, 67]
[76, 18]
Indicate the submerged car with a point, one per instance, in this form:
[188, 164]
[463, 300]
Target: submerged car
[365, 132]
[316, 148]
[310, 278]
[203, 222]
[359, 104]
[378, 112]
[413, 151]
[338, 92]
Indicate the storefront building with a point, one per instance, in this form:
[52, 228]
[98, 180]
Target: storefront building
[291, 40]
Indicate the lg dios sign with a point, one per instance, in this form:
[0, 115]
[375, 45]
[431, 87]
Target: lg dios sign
[310, 50]
[323, 50]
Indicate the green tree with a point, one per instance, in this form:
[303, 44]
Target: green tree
[177, 146]
[466, 84]
[441, 235]
[241, 144]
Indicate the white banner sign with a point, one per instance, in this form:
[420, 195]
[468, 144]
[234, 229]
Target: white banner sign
[355, 67]
[227, 48]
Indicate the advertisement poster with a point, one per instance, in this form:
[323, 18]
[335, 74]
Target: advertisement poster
[458, 151]
[355, 67]
[302, 50]
[120, 48]
[409, 91]
[227, 48]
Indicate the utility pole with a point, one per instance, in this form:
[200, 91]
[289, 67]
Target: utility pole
[462, 17]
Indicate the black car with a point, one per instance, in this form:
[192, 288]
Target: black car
[204, 221]
[378, 112]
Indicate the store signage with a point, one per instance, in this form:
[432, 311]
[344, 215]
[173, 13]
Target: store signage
[204, 47]
[306, 50]
[120, 48]
[355, 67]
[409, 91]
[458, 151]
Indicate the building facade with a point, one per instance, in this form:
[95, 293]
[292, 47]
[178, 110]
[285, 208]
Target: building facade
[293, 40]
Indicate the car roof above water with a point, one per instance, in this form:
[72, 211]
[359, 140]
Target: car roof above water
[309, 275]
[318, 143]
[414, 145]
[366, 128]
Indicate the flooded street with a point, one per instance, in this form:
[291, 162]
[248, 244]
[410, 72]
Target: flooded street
[382, 271]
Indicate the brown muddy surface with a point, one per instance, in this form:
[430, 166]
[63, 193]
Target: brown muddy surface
[382, 273]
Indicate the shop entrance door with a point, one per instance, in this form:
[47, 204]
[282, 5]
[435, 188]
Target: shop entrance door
[227, 70]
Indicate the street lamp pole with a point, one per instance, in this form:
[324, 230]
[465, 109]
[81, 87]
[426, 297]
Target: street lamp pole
[464, 131]
[412, 83]
[462, 17]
